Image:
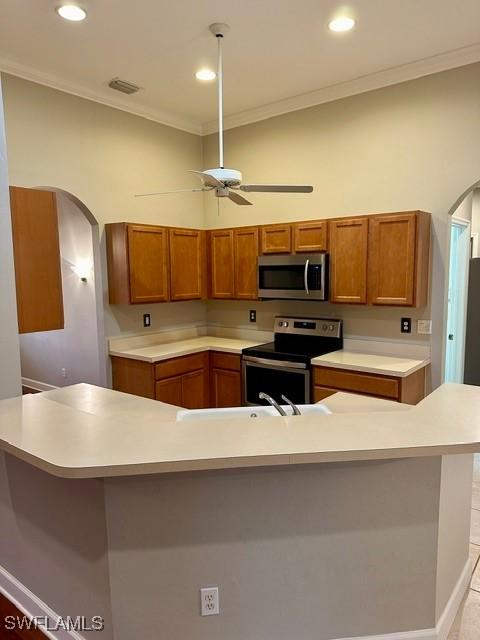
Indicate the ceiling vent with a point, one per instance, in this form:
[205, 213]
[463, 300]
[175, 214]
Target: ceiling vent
[123, 86]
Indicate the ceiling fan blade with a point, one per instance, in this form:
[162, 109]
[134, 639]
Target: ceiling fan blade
[207, 179]
[277, 188]
[237, 198]
[162, 193]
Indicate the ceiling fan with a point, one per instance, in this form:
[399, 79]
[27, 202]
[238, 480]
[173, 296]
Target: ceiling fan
[227, 182]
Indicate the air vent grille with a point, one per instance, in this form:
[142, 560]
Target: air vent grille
[123, 86]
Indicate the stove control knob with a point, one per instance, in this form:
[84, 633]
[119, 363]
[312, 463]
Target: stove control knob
[285, 324]
[331, 327]
[324, 327]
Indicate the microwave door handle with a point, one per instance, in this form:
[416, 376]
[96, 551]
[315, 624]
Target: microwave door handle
[305, 277]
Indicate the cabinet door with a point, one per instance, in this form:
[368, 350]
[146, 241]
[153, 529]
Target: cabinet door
[221, 264]
[391, 269]
[36, 252]
[277, 238]
[195, 390]
[348, 260]
[170, 391]
[309, 237]
[148, 263]
[226, 388]
[245, 243]
[187, 264]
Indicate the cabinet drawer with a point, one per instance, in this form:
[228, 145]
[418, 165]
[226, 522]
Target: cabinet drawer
[220, 360]
[367, 383]
[179, 366]
[320, 393]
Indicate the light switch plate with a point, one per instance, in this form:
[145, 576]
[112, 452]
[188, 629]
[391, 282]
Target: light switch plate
[424, 327]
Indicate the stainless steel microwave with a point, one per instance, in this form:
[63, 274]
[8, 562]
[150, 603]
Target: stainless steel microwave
[295, 277]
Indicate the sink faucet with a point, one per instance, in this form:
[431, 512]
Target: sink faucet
[295, 409]
[270, 400]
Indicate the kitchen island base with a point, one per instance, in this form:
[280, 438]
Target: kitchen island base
[319, 551]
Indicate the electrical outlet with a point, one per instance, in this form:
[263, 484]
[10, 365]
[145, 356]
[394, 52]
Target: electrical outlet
[253, 315]
[424, 327]
[406, 325]
[209, 605]
[147, 320]
[63, 372]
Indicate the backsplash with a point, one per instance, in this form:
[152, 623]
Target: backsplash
[359, 321]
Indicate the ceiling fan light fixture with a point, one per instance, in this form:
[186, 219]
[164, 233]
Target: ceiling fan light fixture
[205, 75]
[71, 12]
[341, 24]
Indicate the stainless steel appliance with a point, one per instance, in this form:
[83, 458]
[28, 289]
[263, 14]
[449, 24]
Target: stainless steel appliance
[282, 367]
[297, 277]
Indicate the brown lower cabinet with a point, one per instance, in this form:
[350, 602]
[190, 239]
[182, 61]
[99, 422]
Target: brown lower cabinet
[225, 380]
[195, 381]
[409, 390]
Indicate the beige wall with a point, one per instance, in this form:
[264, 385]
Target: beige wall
[386, 150]
[104, 156]
[319, 551]
[404, 147]
[9, 349]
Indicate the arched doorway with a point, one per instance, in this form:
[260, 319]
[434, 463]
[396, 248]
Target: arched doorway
[464, 227]
[76, 353]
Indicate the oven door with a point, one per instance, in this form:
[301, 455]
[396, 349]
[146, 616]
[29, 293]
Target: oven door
[275, 378]
[297, 277]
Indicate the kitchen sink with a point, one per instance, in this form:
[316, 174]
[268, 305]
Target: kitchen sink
[248, 412]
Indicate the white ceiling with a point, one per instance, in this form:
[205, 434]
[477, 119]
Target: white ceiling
[279, 54]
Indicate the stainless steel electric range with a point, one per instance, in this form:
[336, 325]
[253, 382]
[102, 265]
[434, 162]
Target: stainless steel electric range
[283, 366]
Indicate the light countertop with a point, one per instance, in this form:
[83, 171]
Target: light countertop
[371, 363]
[85, 431]
[156, 352]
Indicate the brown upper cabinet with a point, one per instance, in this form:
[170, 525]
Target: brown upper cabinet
[276, 238]
[140, 259]
[399, 259]
[348, 242]
[187, 264]
[310, 237]
[245, 245]
[36, 252]
[222, 264]
[233, 263]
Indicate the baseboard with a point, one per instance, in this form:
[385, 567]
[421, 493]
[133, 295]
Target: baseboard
[445, 621]
[37, 385]
[30, 605]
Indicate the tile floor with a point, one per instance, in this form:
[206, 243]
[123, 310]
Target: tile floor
[467, 623]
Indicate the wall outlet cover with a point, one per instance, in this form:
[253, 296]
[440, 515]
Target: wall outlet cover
[424, 327]
[209, 605]
[147, 321]
[253, 315]
[406, 325]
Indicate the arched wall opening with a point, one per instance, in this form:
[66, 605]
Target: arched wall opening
[466, 209]
[76, 353]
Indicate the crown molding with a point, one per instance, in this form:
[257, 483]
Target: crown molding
[162, 117]
[385, 78]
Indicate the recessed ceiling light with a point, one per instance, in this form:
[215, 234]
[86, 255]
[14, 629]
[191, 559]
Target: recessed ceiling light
[205, 74]
[342, 23]
[71, 12]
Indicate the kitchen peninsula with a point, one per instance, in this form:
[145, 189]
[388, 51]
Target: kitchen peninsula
[143, 511]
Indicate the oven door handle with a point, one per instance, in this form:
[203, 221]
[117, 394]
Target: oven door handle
[275, 364]
[305, 276]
